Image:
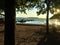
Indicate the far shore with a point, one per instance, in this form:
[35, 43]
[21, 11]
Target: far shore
[32, 24]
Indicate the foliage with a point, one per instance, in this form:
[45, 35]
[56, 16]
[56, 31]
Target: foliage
[22, 5]
[56, 3]
[2, 2]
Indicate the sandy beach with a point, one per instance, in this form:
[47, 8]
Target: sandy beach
[32, 34]
[1, 34]
[27, 34]
[24, 34]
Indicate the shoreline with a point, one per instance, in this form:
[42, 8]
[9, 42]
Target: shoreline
[32, 24]
[43, 25]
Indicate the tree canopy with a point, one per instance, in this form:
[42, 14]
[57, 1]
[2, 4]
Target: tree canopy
[2, 2]
[2, 6]
[22, 5]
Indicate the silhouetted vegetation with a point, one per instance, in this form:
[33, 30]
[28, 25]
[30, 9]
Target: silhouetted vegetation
[21, 6]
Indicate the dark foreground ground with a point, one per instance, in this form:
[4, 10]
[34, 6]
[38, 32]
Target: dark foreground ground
[1, 38]
[33, 35]
[1, 34]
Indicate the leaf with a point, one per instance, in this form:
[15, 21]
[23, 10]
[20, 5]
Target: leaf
[52, 11]
[43, 12]
[38, 13]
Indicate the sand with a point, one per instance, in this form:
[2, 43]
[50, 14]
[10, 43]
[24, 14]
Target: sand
[29, 34]
[26, 34]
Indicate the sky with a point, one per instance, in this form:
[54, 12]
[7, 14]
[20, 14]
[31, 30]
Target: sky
[32, 13]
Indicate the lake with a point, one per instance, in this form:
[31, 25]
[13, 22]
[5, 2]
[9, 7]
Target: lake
[31, 20]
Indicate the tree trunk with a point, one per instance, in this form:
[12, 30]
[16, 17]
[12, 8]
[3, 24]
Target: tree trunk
[47, 22]
[9, 22]
[47, 17]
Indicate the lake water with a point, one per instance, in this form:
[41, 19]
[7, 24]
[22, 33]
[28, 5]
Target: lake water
[32, 20]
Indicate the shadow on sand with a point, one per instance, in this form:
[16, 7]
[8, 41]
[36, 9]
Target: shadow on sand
[51, 39]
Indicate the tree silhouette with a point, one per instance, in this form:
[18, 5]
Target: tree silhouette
[2, 6]
[21, 6]
[44, 6]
